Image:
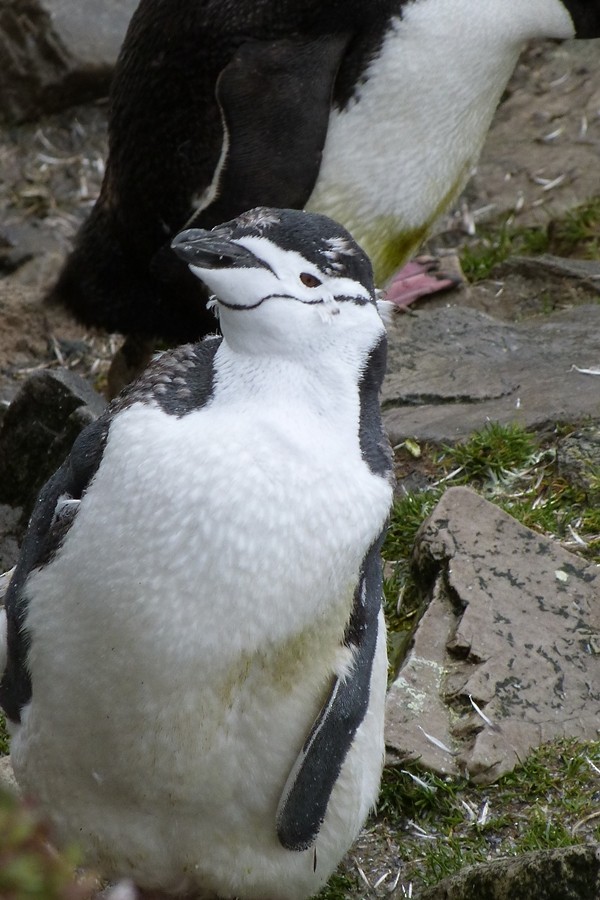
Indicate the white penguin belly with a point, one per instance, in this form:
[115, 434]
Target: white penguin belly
[397, 156]
[180, 658]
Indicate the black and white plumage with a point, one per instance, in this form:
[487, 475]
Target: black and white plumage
[373, 112]
[196, 650]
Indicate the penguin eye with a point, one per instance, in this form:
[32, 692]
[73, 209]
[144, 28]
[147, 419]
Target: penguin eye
[310, 280]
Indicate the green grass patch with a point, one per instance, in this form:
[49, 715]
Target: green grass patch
[550, 801]
[494, 245]
[576, 234]
[339, 887]
[403, 601]
[491, 452]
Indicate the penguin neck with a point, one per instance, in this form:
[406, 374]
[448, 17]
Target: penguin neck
[402, 150]
[323, 385]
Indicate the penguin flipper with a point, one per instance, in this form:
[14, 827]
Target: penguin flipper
[57, 505]
[303, 804]
[52, 516]
[275, 100]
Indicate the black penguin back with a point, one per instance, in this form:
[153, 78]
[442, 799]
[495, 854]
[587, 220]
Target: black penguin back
[114, 281]
[167, 142]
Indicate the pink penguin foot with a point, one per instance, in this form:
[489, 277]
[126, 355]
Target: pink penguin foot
[422, 276]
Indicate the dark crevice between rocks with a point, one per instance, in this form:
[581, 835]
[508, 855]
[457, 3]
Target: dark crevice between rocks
[439, 400]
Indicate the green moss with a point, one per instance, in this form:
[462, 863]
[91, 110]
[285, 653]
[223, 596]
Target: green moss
[339, 887]
[576, 234]
[419, 794]
[494, 245]
[492, 451]
[550, 801]
[403, 603]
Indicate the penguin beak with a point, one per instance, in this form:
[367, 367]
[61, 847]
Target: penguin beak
[211, 250]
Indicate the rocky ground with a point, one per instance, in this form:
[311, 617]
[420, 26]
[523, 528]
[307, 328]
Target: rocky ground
[520, 345]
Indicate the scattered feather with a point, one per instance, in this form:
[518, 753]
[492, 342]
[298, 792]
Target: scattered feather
[593, 766]
[484, 813]
[548, 184]
[437, 743]
[364, 877]
[594, 370]
[585, 820]
[419, 781]
[380, 880]
[577, 537]
[392, 887]
[553, 135]
[471, 814]
[482, 715]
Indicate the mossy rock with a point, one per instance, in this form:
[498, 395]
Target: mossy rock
[571, 873]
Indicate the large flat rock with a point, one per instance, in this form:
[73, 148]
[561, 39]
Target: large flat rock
[57, 52]
[451, 370]
[568, 873]
[507, 655]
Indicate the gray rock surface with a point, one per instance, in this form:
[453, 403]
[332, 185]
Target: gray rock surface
[547, 266]
[451, 370]
[7, 777]
[507, 655]
[526, 286]
[38, 430]
[57, 52]
[571, 873]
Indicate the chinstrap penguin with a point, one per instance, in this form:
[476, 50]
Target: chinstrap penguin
[370, 111]
[196, 648]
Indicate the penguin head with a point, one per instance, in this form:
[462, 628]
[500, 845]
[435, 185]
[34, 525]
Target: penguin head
[284, 279]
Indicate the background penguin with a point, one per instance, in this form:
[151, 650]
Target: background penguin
[196, 650]
[371, 111]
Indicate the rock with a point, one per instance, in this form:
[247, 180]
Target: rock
[578, 460]
[31, 333]
[570, 873]
[507, 655]
[13, 253]
[452, 370]
[7, 777]
[557, 268]
[38, 430]
[57, 52]
[525, 286]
